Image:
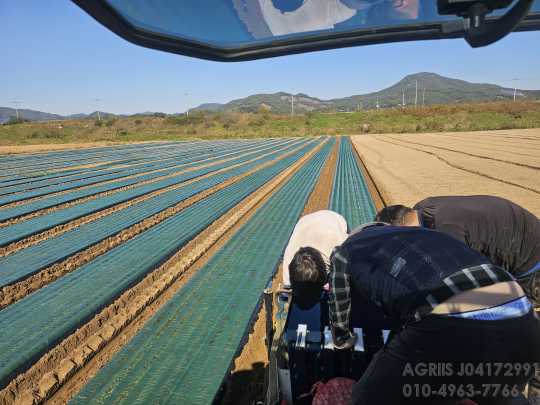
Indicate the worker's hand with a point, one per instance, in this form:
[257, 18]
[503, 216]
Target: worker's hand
[348, 344]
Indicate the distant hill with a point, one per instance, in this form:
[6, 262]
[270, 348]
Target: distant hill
[276, 102]
[438, 90]
[432, 89]
[94, 115]
[6, 113]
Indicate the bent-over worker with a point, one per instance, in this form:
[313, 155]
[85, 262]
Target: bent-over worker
[459, 313]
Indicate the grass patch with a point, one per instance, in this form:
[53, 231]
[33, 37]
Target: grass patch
[261, 124]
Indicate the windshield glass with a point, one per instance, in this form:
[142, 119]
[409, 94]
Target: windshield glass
[226, 23]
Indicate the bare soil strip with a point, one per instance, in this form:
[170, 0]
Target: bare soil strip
[530, 134]
[120, 321]
[374, 191]
[246, 382]
[116, 190]
[62, 228]
[377, 162]
[516, 136]
[14, 292]
[456, 166]
[42, 148]
[505, 144]
[533, 167]
[319, 198]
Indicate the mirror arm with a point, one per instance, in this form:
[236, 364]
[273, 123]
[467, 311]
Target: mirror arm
[482, 34]
[478, 31]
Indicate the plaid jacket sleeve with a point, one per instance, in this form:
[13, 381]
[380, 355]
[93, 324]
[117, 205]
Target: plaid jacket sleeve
[340, 296]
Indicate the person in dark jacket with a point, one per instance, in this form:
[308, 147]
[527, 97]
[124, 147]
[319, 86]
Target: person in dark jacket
[463, 318]
[504, 232]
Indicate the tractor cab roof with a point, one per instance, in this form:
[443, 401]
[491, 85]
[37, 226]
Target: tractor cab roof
[232, 30]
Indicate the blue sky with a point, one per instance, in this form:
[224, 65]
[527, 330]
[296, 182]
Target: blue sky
[55, 58]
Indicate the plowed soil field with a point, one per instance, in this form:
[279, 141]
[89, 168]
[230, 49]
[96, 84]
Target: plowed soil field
[410, 167]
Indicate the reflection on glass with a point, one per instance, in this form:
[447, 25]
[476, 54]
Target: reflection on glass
[243, 22]
[267, 18]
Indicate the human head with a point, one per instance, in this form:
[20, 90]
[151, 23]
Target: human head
[398, 215]
[308, 272]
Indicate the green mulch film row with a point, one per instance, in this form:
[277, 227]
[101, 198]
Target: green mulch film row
[350, 195]
[184, 352]
[36, 323]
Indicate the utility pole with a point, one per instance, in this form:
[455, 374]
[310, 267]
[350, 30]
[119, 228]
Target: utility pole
[187, 98]
[416, 95]
[292, 105]
[515, 88]
[403, 97]
[378, 106]
[424, 97]
[97, 100]
[16, 104]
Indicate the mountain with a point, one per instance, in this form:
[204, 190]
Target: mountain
[276, 102]
[438, 90]
[432, 89]
[6, 113]
[210, 107]
[94, 115]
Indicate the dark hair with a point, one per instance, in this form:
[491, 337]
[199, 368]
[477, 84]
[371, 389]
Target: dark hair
[308, 276]
[393, 214]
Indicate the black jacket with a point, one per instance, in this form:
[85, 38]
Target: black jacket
[506, 233]
[396, 268]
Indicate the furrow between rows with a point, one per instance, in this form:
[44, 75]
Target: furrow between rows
[245, 384]
[36, 267]
[480, 173]
[58, 217]
[474, 155]
[197, 346]
[88, 177]
[54, 195]
[68, 303]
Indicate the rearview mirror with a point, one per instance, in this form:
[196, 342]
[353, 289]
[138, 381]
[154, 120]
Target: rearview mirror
[232, 30]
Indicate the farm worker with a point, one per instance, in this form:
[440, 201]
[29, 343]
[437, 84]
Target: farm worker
[507, 234]
[461, 316]
[306, 257]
